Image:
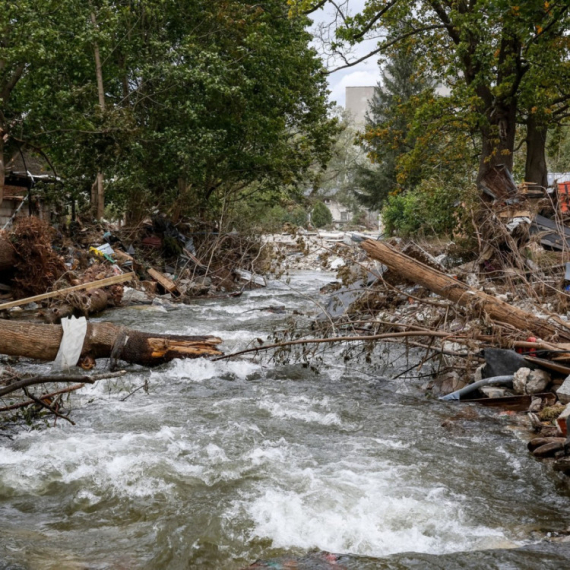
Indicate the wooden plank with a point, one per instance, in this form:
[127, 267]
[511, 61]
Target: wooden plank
[549, 365]
[62, 292]
[169, 285]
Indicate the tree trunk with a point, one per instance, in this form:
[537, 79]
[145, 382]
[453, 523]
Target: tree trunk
[7, 255]
[459, 293]
[104, 340]
[2, 166]
[98, 198]
[535, 169]
[498, 139]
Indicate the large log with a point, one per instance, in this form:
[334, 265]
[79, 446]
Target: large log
[104, 340]
[458, 292]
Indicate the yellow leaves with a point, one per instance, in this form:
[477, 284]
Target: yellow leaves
[539, 29]
[505, 152]
[534, 110]
[516, 10]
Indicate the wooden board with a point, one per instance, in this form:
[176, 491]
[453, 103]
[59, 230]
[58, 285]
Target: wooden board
[62, 292]
[169, 285]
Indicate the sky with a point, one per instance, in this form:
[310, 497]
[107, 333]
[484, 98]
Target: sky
[365, 73]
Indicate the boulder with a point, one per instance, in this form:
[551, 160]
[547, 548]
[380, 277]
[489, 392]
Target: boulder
[527, 381]
[549, 449]
[563, 392]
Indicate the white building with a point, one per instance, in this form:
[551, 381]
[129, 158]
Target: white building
[357, 103]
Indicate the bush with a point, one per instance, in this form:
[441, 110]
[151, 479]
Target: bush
[429, 209]
[321, 216]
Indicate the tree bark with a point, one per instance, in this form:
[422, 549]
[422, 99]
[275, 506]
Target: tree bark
[104, 340]
[98, 200]
[2, 166]
[535, 168]
[463, 295]
[498, 139]
[7, 254]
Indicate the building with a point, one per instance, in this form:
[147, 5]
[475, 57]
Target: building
[357, 103]
[23, 171]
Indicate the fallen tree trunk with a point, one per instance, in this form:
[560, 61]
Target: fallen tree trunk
[104, 340]
[460, 293]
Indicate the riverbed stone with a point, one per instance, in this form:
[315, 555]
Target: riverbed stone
[563, 392]
[527, 381]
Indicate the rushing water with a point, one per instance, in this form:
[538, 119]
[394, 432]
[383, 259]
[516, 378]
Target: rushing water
[223, 463]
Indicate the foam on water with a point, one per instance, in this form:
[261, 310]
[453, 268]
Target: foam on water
[362, 513]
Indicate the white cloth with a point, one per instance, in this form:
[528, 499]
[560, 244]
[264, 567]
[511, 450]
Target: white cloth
[74, 331]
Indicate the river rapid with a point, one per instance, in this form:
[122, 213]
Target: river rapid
[219, 464]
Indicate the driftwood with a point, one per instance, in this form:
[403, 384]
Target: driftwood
[448, 287]
[168, 285]
[63, 292]
[42, 397]
[104, 340]
[88, 302]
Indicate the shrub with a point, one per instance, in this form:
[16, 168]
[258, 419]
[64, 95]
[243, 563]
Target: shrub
[321, 216]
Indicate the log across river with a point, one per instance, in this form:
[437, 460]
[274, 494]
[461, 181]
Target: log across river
[214, 465]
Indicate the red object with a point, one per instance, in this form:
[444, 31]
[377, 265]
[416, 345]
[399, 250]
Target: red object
[564, 197]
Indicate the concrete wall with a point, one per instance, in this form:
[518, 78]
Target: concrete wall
[357, 100]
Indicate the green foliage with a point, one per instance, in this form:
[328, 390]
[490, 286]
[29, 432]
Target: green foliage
[321, 216]
[387, 136]
[207, 101]
[432, 208]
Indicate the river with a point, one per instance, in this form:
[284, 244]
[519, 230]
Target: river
[219, 464]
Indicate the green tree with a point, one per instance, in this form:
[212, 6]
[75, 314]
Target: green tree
[321, 216]
[387, 133]
[206, 101]
[483, 50]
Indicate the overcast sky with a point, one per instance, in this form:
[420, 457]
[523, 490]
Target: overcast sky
[365, 73]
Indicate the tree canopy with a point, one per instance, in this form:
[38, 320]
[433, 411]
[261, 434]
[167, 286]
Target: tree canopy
[205, 100]
[492, 54]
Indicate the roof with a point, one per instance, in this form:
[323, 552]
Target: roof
[29, 164]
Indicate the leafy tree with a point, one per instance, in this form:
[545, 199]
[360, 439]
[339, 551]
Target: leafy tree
[321, 216]
[484, 50]
[206, 101]
[387, 135]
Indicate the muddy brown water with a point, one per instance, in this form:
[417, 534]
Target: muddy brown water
[222, 464]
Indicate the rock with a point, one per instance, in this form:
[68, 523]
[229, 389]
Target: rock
[133, 296]
[537, 442]
[535, 405]
[527, 381]
[549, 449]
[563, 392]
[538, 381]
[446, 383]
[493, 392]
[562, 465]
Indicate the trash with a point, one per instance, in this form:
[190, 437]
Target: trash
[164, 281]
[562, 420]
[74, 331]
[134, 296]
[500, 362]
[251, 278]
[495, 381]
